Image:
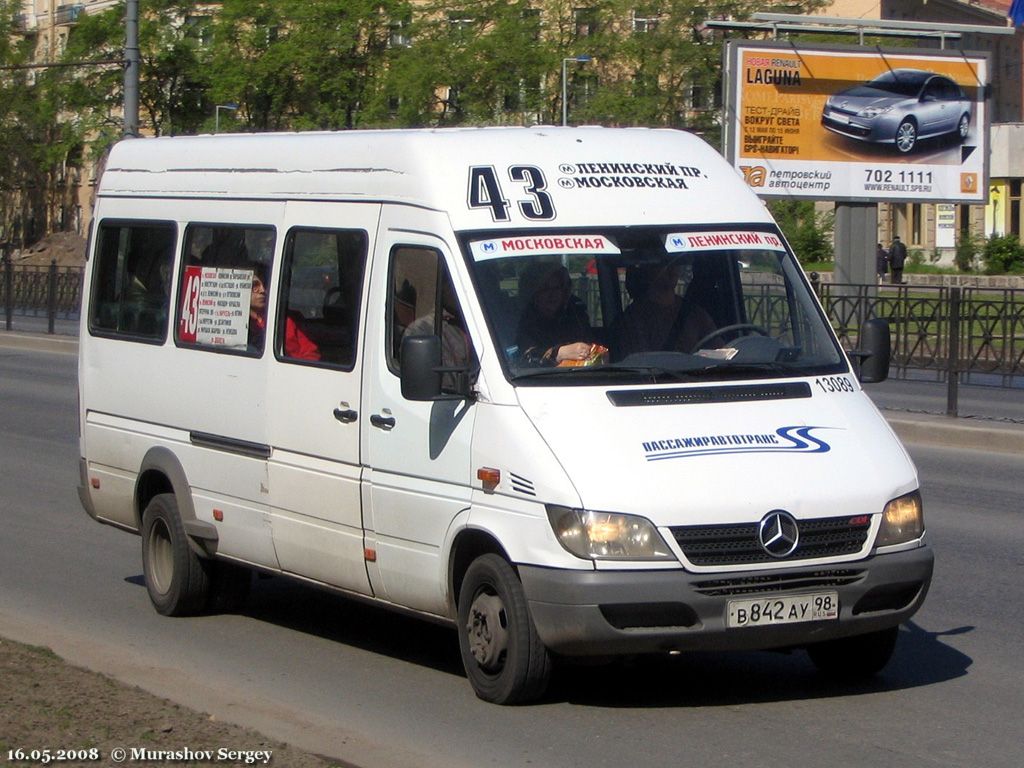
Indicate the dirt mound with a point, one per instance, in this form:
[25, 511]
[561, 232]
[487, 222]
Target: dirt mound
[67, 248]
[52, 711]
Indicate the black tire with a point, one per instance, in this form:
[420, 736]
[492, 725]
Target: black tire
[855, 658]
[963, 127]
[906, 136]
[505, 660]
[177, 579]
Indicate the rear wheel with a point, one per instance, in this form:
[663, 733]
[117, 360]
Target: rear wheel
[505, 660]
[176, 578]
[964, 126]
[855, 658]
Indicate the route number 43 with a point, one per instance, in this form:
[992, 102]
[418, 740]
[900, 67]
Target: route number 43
[485, 192]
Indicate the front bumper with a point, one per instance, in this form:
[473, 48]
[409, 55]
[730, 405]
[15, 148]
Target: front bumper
[875, 130]
[579, 613]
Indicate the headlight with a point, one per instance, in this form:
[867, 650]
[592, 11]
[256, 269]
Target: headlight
[873, 111]
[606, 535]
[902, 521]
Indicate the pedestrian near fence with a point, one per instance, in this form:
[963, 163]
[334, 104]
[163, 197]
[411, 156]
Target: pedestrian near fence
[897, 258]
[881, 261]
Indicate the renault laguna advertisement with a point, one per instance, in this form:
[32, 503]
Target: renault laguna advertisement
[858, 124]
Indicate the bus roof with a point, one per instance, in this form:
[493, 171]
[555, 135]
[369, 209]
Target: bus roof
[484, 178]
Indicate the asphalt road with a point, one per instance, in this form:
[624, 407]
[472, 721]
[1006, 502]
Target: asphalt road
[378, 690]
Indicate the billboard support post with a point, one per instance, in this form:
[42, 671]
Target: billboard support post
[856, 231]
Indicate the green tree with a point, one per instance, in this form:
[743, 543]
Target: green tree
[340, 50]
[968, 245]
[174, 67]
[32, 183]
[172, 79]
[808, 231]
[1003, 254]
[464, 63]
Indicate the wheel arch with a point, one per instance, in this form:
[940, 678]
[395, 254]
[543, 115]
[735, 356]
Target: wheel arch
[161, 472]
[468, 545]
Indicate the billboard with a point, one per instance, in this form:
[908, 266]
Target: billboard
[858, 124]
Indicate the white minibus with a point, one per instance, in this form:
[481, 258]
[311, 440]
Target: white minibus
[566, 389]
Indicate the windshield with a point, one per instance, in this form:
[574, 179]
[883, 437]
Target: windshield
[900, 82]
[648, 304]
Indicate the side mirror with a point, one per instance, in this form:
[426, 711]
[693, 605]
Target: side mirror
[421, 359]
[875, 351]
[424, 376]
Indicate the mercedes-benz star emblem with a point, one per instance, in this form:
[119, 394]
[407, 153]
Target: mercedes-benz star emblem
[778, 533]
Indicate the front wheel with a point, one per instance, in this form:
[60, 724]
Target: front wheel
[855, 658]
[505, 660]
[906, 136]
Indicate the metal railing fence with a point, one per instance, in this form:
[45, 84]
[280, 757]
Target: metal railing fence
[52, 292]
[948, 333]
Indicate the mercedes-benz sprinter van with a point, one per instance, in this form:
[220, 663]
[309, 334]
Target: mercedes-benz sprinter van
[564, 388]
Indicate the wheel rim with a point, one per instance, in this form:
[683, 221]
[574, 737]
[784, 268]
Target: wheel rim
[964, 126]
[905, 137]
[487, 629]
[161, 556]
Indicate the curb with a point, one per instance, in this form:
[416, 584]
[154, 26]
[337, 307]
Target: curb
[40, 343]
[957, 432]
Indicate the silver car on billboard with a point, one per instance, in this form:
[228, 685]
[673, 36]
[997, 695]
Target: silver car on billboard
[900, 107]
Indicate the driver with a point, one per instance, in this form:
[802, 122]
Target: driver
[659, 319]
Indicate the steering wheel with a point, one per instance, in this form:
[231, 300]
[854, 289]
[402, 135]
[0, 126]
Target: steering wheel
[728, 329]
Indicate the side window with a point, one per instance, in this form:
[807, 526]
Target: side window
[131, 294]
[422, 303]
[222, 299]
[321, 285]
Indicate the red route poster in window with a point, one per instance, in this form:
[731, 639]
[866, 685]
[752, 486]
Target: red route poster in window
[215, 306]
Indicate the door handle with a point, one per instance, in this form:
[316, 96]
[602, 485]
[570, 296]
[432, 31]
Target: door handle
[345, 415]
[384, 422]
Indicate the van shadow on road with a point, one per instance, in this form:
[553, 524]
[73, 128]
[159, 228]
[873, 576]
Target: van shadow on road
[696, 679]
[736, 678]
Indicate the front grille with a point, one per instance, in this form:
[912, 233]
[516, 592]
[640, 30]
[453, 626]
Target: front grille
[738, 544]
[779, 582]
[847, 128]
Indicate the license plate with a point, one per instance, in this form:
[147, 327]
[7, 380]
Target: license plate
[766, 611]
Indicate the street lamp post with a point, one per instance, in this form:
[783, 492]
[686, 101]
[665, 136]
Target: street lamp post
[582, 58]
[216, 114]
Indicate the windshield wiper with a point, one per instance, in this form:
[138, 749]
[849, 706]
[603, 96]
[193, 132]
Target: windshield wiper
[577, 371]
[741, 368]
[653, 372]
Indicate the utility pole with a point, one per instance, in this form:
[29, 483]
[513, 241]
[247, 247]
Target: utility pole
[131, 69]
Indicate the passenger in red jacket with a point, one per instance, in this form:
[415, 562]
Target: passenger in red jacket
[297, 345]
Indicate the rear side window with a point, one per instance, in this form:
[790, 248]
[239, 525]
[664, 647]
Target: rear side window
[321, 286]
[225, 281]
[131, 293]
